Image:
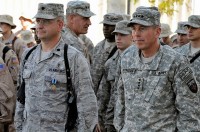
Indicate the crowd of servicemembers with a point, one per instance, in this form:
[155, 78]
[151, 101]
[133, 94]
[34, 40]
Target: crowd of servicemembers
[139, 78]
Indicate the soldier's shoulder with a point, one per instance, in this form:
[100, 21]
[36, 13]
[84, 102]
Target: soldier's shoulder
[100, 44]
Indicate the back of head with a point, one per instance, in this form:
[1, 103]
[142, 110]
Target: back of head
[81, 8]
[165, 30]
[182, 29]
[49, 10]
[146, 16]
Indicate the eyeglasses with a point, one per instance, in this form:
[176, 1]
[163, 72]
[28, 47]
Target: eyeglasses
[44, 21]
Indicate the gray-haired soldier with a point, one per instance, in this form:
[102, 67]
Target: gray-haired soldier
[181, 31]
[107, 90]
[156, 90]
[78, 21]
[44, 73]
[192, 49]
[104, 49]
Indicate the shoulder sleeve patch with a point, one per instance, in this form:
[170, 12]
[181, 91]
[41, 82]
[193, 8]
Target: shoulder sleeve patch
[186, 75]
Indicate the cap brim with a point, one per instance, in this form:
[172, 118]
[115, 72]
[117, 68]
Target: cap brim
[192, 25]
[86, 14]
[181, 31]
[44, 16]
[108, 23]
[141, 22]
[120, 31]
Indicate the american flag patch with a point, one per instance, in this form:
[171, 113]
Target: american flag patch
[2, 67]
[15, 60]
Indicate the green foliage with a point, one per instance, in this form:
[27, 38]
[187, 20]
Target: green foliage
[166, 6]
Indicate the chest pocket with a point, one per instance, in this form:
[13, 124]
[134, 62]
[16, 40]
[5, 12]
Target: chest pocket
[26, 74]
[57, 82]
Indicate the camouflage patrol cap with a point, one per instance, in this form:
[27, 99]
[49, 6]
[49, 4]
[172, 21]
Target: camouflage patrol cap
[147, 16]
[193, 21]
[80, 7]
[121, 27]
[181, 28]
[49, 10]
[165, 30]
[7, 19]
[112, 18]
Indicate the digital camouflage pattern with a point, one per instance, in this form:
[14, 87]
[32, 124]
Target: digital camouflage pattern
[106, 90]
[181, 28]
[49, 11]
[99, 57]
[79, 7]
[73, 40]
[156, 96]
[193, 21]
[165, 30]
[112, 18]
[147, 16]
[46, 108]
[121, 27]
[185, 50]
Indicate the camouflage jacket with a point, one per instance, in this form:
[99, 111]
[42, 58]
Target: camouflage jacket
[45, 106]
[195, 66]
[73, 40]
[156, 96]
[99, 58]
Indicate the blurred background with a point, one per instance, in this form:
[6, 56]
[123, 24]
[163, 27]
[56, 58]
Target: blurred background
[173, 11]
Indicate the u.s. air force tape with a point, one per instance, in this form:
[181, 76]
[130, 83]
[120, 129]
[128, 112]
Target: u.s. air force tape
[187, 76]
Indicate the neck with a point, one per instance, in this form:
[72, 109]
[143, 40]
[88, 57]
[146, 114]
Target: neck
[195, 44]
[151, 51]
[110, 39]
[48, 45]
[7, 35]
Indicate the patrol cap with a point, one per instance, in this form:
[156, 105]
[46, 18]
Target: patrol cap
[165, 30]
[146, 16]
[193, 21]
[27, 36]
[79, 7]
[7, 19]
[181, 28]
[121, 27]
[112, 18]
[49, 10]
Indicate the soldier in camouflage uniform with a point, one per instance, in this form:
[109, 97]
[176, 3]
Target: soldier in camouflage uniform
[7, 100]
[181, 31]
[156, 89]
[103, 49]
[123, 39]
[9, 38]
[11, 61]
[192, 49]
[44, 73]
[78, 21]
